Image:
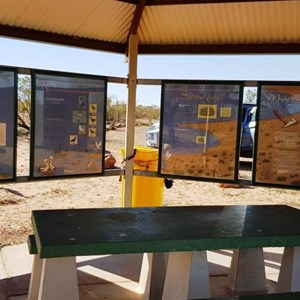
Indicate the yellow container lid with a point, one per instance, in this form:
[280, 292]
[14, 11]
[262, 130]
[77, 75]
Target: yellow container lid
[146, 158]
[143, 153]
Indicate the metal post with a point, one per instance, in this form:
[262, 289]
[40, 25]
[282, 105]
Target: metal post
[130, 119]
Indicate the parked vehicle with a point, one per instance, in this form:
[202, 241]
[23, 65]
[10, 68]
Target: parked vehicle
[152, 135]
[248, 129]
[252, 122]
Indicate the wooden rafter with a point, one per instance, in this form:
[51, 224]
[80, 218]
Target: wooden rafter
[60, 39]
[185, 2]
[136, 20]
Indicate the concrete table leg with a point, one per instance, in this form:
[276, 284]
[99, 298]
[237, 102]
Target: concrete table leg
[159, 267]
[59, 279]
[35, 278]
[247, 271]
[199, 276]
[183, 280]
[289, 275]
[145, 275]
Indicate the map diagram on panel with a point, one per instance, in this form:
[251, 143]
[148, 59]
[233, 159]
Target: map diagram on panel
[278, 146]
[69, 125]
[7, 124]
[199, 130]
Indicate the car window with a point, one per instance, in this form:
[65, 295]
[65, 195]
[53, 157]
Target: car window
[244, 117]
[253, 113]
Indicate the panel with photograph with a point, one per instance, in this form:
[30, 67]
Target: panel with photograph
[69, 124]
[278, 139]
[8, 92]
[200, 128]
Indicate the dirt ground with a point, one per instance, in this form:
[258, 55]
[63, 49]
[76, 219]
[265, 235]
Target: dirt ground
[17, 200]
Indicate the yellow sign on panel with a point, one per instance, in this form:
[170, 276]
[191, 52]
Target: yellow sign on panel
[207, 111]
[3, 134]
[225, 112]
[201, 139]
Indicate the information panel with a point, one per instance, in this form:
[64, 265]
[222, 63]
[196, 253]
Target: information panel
[69, 124]
[278, 140]
[7, 124]
[200, 128]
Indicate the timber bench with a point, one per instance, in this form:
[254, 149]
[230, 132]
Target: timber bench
[183, 232]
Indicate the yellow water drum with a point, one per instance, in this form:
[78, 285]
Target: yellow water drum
[146, 191]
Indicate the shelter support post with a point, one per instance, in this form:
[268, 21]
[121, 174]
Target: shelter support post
[130, 118]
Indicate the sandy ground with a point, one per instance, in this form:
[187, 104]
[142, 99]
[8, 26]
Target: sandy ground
[17, 200]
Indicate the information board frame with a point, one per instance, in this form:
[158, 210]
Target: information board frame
[8, 124]
[276, 155]
[70, 110]
[213, 167]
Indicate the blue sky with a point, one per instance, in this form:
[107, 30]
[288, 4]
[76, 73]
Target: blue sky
[209, 67]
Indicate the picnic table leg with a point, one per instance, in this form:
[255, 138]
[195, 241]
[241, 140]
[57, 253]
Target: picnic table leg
[289, 275]
[159, 267]
[179, 274]
[199, 276]
[247, 271]
[35, 277]
[145, 275]
[59, 279]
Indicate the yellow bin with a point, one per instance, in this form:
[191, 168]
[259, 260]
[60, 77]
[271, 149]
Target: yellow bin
[146, 191]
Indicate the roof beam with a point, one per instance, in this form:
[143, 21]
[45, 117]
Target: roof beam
[222, 49]
[185, 2]
[181, 2]
[135, 20]
[60, 39]
[137, 16]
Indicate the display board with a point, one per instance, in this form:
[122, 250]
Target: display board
[277, 160]
[8, 99]
[69, 124]
[200, 128]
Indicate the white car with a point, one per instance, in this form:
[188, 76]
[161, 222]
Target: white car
[152, 135]
[252, 122]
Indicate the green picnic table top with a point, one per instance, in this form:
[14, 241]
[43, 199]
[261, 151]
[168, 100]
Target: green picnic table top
[280, 296]
[75, 232]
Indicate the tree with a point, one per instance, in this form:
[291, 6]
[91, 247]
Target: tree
[147, 112]
[251, 96]
[115, 112]
[24, 102]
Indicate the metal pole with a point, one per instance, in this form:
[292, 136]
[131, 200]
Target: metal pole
[130, 119]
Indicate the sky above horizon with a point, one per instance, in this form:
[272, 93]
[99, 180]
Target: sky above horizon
[25, 54]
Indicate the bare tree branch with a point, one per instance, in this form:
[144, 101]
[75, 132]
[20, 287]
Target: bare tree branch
[21, 123]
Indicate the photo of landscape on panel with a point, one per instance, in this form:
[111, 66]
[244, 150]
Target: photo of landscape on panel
[199, 130]
[68, 125]
[7, 124]
[278, 145]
